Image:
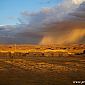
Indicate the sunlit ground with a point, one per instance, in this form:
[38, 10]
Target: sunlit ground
[42, 71]
[41, 65]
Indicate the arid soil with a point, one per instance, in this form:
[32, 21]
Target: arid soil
[42, 71]
[42, 65]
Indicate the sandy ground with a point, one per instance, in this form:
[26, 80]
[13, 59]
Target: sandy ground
[42, 71]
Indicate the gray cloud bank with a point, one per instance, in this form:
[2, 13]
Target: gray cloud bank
[63, 24]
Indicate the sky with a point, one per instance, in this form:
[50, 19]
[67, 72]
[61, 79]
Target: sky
[42, 21]
[10, 10]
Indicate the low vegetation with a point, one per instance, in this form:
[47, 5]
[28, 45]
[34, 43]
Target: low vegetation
[21, 51]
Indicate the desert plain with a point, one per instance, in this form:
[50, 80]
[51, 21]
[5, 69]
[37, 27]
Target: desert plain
[42, 64]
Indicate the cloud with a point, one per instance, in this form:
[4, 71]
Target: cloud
[61, 24]
[64, 23]
[78, 1]
[71, 29]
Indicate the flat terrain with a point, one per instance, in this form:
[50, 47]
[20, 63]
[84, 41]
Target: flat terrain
[19, 67]
[42, 71]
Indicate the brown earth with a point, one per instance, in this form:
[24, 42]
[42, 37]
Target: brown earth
[21, 69]
[42, 71]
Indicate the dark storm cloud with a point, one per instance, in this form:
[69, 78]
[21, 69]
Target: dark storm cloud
[64, 23]
[70, 30]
